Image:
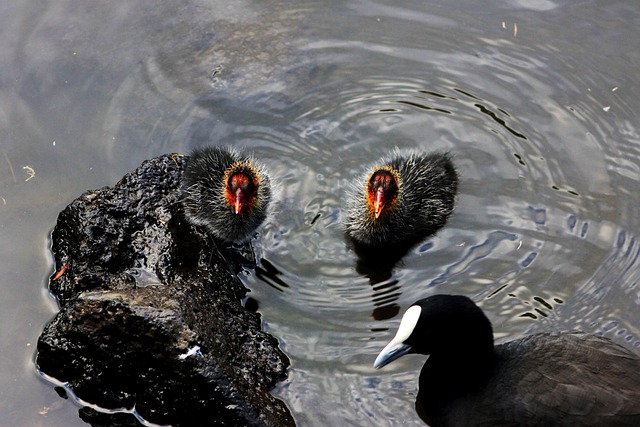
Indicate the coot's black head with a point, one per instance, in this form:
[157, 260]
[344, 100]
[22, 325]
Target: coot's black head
[441, 325]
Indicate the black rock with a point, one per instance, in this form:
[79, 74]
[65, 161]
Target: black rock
[150, 319]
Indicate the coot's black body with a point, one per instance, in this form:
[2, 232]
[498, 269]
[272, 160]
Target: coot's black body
[550, 379]
[226, 192]
[401, 200]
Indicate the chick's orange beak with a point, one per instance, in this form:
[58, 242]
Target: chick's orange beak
[378, 202]
[239, 200]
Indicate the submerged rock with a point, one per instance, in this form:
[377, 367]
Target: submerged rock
[150, 320]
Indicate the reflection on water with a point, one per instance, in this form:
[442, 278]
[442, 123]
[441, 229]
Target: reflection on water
[269, 274]
[598, 304]
[544, 235]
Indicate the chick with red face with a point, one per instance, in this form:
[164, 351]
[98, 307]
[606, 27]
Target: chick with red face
[226, 192]
[401, 200]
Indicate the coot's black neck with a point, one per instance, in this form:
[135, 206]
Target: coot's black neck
[452, 375]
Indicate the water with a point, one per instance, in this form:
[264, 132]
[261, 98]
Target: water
[535, 100]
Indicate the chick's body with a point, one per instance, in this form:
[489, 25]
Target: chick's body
[402, 200]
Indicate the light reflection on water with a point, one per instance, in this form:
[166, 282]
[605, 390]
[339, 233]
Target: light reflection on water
[525, 235]
[544, 232]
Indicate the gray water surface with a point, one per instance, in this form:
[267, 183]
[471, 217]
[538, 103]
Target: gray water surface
[535, 99]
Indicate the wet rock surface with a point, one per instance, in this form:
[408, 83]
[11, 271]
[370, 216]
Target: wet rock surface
[151, 320]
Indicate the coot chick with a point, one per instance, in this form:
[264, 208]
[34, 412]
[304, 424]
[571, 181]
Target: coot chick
[548, 379]
[226, 192]
[401, 200]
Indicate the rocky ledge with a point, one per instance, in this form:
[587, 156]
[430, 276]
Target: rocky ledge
[151, 328]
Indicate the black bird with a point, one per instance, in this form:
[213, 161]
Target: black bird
[226, 192]
[547, 379]
[401, 200]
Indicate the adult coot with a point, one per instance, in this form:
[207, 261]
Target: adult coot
[401, 200]
[226, 192]
[549, 379]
